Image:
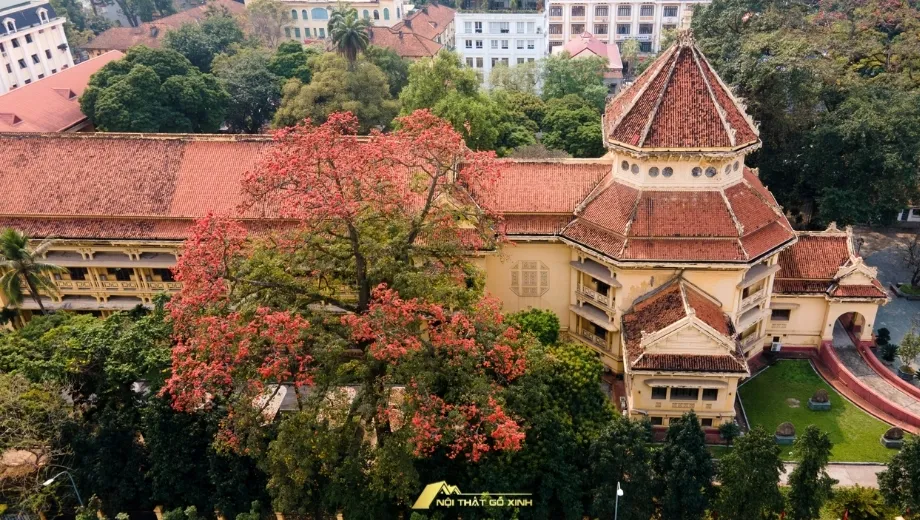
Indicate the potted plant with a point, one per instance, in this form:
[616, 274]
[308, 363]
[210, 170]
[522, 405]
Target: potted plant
[882, 337]
[893, 438]
[819, 401]
[889, 351]
[909, 349]
[785, 433]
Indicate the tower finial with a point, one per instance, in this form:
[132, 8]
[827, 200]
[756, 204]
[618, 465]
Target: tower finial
[685, 38]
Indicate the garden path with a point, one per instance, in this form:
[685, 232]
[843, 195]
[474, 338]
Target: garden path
[866, 475]
[851, 359]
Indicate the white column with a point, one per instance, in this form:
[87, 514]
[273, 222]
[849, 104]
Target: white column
[4, 82]
[64, 40]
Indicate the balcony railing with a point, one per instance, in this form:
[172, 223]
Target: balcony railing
[593, 339]
[605, 300]
[751, 341]
[114, 286]
[752, 299]
[750, 317]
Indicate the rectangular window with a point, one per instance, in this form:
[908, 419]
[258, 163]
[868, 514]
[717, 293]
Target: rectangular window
[520, 44]
[780, 314]
[306, 32]
[659, 392]
[555, 28]
[578, 10]
[530, 60]
[22, 64]
[521, 27]
[28, 81]
[555, 10]
[54, 71]
[530, 27]
[2, 48]
[478, 44]
[15, 43]
[287, 32]
[123, 275]
[668, 27]
[504, 27]
[494, 62]
[553, 45]
[505, 61]
[478, 26]
[28, 38]
[8, 68]
[601, 10]
[600, 28]
[467, 27]
[469, 62]
[40, 76]
[469, 44]
[322, 32]
[623, 28]
[706, 423]
[494, 43]
[657, 421]
[520, 61]
[47, 54]
[685, 394]
[530, 44]
[504, 44]
[670, 11]
[578, 28]
[35, 59]
[165, 274]
[297, 32]
[624, 10]
[646, 11]
[478, 63]
[645, 28]
[77, 273]
[710, 394]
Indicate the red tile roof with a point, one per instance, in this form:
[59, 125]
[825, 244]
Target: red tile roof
[665, 306]
[548, 225]
[51, 104]
[679, 103]
[544, 187]
[811, 265]
[736, 224]
[403, 41]
[430, 21]
[151, 33]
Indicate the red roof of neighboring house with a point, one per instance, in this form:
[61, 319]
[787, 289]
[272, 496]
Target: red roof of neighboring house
[738, 223]
[403, 41]
[679, 103]
[151, 33]
[50, 104]
[586, 45]
[811, 266]
[665, 306]
[430, 21]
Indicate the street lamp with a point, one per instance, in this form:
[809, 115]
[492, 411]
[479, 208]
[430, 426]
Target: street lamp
[616, 507]
[72, 483]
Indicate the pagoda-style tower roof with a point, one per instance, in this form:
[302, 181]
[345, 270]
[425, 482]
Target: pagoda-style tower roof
[679, 104]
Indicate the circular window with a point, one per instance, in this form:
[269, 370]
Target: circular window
[697, 171]
[653, 171]
[728, 169]
[635, 169]
[736, 166]
[625, 165]
[711, 172]
[667, 172]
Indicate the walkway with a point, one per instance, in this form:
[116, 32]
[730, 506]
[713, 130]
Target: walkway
[866, 475]
[857, 366]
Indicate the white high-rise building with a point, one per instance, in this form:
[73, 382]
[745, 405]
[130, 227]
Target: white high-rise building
[32, 43]
[486, 38]
[611, 21]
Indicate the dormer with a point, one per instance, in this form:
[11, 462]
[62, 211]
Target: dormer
[10, 25]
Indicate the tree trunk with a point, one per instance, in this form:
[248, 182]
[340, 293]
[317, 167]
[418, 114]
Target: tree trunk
[35, 295]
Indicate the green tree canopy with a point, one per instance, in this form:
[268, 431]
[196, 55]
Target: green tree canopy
[622, 455]
[393, 65]
[154, 90]
[336, 87]
[23, 266]
[432, 79]
[900, 483]
[200, 42]
[809, 483]
[571, 124]
[522, 77]
[684, 471]
[254, 90]
[749, 475]
[291, 60]
[564, 75]
[349, 32]
[541, 323]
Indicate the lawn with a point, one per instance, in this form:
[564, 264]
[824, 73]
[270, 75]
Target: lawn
[780, 394]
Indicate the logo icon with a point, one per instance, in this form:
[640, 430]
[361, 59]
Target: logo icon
[430, 495]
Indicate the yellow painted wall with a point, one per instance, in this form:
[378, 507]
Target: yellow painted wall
[721, 410]
[805, 323]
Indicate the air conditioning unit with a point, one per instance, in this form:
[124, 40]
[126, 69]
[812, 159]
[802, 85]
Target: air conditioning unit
[776, 346]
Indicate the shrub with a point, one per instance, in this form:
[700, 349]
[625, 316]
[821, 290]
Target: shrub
[785, 430]
[882, 337]
[820, 396]
[894, 433]
[729, 431]
[541, 323]
[859, 503]
[889, 351]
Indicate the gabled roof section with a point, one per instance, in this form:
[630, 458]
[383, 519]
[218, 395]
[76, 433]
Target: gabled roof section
[673, 307]
[739, 223]
[824, 263]
[679, 103]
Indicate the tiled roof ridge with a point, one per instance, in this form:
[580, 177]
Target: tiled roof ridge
[772, 204]
[738, 225]
[139, 136]
[652, 72]
[738, 105]
[598, 227]
[651, 118]
[723, 116]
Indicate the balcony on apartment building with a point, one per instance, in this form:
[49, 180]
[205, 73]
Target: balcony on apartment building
[595, 303]
[500, 6]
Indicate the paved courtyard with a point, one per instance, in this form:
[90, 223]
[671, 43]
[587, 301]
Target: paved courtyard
[866, 475]
[880, 248]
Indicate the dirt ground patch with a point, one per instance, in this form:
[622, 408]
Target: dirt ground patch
[793, 402]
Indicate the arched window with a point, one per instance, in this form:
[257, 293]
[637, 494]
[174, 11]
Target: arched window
[293, 14]
[318, 13]
[397, 13]
[303, 14]
[367, 14]
[10, 25]
[376, 14]
[43, 15]
[386, 13]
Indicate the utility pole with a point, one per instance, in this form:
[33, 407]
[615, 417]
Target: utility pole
[616, 507]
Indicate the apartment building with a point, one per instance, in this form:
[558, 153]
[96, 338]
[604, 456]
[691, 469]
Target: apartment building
[500, 36]
[309, 20]
[616, 22]
[32, 43]
[667, 256]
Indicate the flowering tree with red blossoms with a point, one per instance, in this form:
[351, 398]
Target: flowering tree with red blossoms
[364, 282]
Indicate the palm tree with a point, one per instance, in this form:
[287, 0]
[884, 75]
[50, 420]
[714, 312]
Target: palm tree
[349, 32]
[22, 265]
